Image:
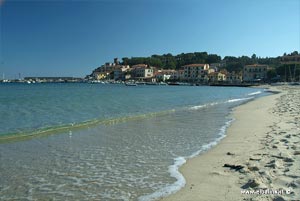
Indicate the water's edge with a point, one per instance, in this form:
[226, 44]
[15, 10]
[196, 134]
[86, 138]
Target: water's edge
[174, 169]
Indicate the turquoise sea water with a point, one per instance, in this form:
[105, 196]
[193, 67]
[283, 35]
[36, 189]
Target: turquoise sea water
[135, 155]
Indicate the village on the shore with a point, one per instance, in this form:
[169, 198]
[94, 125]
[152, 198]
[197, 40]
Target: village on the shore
[191, 73]
[195, 74]
[215, 74]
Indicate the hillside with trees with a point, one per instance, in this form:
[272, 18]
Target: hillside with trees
[168, 61]
[284, 72]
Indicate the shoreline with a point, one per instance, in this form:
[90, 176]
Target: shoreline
[253, 163]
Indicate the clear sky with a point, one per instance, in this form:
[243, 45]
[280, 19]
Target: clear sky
[71, 38]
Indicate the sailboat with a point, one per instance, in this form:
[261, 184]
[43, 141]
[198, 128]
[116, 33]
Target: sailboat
[3, 78]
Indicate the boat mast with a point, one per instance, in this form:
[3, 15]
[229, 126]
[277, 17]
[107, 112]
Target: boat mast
[291, 79]
[295, 73]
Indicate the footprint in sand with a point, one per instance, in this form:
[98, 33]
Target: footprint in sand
[296, 152]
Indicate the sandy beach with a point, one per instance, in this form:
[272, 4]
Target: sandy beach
[259, 159]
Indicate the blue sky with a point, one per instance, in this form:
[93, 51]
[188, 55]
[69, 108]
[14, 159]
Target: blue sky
[71, 38]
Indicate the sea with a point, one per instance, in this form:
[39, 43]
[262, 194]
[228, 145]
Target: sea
[80, 141]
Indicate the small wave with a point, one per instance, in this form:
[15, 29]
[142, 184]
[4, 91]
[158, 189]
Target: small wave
[238, 99]
[197, 107]
[168, 190]
[254, 93]
[221, 135]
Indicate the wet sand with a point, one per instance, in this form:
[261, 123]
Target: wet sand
[261, 153]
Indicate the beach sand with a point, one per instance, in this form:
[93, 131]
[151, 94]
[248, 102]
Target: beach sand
[263, 148]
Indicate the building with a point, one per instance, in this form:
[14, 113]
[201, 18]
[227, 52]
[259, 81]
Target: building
[101, 75]
[212, 69]
[254, 72]
[169, 74]
[110, 71]
[161, 76]
[216, 66]
[120, 71]
[142, 71]
[195, 72]
[177, 75]
[234, 78]
[217, 76]
[104, 72]
[164, 75]
[180, 75]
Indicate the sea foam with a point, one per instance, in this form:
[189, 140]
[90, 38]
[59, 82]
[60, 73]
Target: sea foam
[197, 107]
[168, 190]
[254, 93]
[178, 162]
[238, 99]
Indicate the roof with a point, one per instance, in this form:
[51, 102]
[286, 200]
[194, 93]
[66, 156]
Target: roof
[219, 72]
[194, 65]
[140, 65]
[213, 73]
[168, 71]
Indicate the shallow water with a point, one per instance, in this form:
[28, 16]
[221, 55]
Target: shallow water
[136, 158]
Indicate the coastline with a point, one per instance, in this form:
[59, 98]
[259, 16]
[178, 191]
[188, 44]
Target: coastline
[265, 152]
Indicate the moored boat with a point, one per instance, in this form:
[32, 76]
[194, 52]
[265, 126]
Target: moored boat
[130, 84]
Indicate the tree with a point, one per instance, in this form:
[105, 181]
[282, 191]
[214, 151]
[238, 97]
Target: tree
[125, 60]
[271, 74]
[213, 58]
[170, 65]
[254, 58]
[294, 53]
[155, 62]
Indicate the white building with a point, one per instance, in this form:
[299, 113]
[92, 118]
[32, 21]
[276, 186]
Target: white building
[195, 72]
[142, 71]
[119, 72]
[160, 76]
